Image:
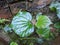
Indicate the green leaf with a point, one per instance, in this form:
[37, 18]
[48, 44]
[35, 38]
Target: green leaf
[55, 6]
[57, 25]
[22, 25]
[3, 20]
[58, 13]
[44, 33]
[53, 9]
[7, 28]
[43, 22]
[13, 43]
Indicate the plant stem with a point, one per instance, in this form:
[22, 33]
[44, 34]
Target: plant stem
[28, 38]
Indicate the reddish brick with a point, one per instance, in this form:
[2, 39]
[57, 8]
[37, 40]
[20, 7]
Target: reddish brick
[17, 6]
[31, 6]
[5, 13]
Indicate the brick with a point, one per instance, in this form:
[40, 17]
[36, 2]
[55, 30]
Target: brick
[38, 4]
[17, 6]
[42, 2]
[3, 4]
[10, 1]
[5, 13]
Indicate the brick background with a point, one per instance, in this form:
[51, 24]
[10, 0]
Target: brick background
[5, 13]
[8, 8]
[16, 6]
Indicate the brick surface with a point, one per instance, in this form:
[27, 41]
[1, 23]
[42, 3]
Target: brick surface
[10, 1]
[5, 13]
[38, 4]
[3, 4]
[17, 6]
[41, 2]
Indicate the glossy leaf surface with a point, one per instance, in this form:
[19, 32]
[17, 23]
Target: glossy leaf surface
[22, 25]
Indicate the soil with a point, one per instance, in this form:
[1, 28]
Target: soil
[56, 41]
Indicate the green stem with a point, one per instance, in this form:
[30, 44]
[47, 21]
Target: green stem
[28, 38]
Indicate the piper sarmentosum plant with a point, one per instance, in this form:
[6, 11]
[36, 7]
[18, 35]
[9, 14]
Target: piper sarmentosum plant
[22, 24]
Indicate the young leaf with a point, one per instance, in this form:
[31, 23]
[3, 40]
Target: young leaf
[43, 22]
[13, 43]
[22, 25]
[3, 20]
[44, 33]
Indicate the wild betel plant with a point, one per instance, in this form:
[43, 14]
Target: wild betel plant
[22, 24]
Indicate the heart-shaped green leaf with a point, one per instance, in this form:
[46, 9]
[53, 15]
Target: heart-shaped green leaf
[22, 25]
[43, 22]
